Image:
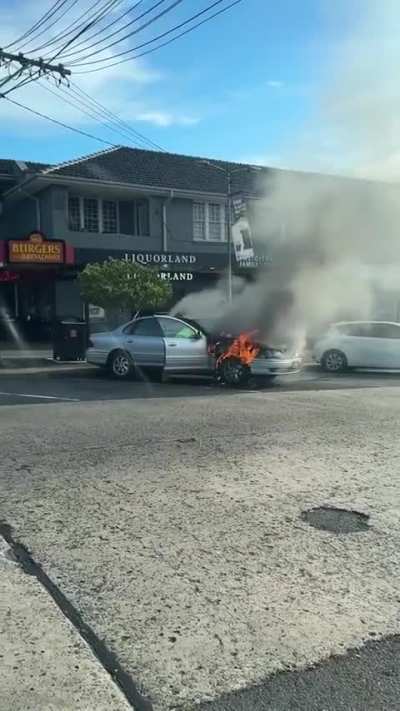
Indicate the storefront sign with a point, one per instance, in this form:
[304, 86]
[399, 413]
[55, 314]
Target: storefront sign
[35, 250]
[176, 276]
[160, 258]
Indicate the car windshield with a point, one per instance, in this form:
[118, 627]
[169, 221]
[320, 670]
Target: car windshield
[199, 355]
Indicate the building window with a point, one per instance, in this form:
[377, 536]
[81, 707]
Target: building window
[141, 218]
[74, 214]
[209, 221]
[199, 220]
[215, 221]
[91, 214]
[109, 216]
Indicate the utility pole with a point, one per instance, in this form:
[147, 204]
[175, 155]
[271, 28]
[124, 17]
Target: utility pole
[229, 173]
[26, 63]
[229, 220]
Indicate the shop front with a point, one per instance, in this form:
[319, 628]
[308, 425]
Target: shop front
[34, 274]
[187, 272]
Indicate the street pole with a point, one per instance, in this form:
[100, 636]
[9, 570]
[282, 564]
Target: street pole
[27, 64]
[229, 208]
[228, 202]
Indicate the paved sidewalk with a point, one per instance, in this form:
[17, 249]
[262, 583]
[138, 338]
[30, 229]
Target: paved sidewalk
[45, 663]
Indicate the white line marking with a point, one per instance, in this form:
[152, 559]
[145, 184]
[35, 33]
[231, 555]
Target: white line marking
[42, 397]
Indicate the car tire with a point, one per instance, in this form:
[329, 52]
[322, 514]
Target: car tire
[232, 372]
[334, 361]
[120, 365]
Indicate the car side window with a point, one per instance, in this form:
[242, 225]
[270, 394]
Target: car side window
[385, 330]
[176, 329]
[146, 327]
[361, 330]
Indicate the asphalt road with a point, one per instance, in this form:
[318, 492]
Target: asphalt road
[169, 517]
[85, 383]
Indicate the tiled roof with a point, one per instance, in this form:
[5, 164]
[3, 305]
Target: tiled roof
[10, 167]
[161, 170]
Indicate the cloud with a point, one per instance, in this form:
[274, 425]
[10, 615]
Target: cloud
[165, 119]
[275, 84]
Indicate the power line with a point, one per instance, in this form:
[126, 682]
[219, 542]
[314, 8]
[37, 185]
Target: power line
[154, 39]
[48, 27]
[82, 31]
[81, 93]
[111, 24]
[163, 44]
[58, 123]
[99, 114]
[130, 34]
[69, 29]
[39, 22]
[28, 63]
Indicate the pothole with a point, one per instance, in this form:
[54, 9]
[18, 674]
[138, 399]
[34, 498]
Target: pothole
[334, 520]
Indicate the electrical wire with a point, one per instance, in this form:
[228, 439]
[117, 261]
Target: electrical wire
[36, 74]
[130, 34]
[87, 112]
[154, 39]
[81, 32]
[100, 115]
[136, 19]
[39, 22]
[58, 123]
[81, 94]
[160, 46]
[111, 24]
[47, 27]
[71, 28]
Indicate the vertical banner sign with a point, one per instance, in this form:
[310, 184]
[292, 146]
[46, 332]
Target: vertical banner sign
[241, 234]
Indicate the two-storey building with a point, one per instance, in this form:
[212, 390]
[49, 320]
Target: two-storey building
[155, 208]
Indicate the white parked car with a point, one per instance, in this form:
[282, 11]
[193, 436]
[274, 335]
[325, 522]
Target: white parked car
[374, 345]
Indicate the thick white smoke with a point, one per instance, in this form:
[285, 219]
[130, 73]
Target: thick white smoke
[333, 242]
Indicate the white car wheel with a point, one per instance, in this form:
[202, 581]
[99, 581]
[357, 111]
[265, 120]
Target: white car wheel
[334, 361]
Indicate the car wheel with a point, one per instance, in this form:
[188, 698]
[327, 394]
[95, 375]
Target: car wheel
[233, 372]
[120, 365]
[334, 361]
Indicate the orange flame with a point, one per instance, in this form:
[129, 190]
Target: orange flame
[243, 347]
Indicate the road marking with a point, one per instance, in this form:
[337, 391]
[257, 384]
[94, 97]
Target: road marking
[41, 397]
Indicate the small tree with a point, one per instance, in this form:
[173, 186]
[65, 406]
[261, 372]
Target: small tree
[122, 287]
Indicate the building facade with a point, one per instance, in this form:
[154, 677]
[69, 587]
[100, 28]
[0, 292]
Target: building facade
[158, 209]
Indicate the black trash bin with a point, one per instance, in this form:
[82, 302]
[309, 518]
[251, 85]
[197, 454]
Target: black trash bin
[70, 340]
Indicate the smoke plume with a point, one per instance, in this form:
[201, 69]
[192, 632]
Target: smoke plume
[333, 241]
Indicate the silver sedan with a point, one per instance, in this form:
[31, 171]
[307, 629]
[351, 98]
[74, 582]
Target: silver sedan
[168, 345]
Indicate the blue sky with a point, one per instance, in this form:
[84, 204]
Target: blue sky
[241, 87]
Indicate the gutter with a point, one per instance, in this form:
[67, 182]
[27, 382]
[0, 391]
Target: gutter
[49, 180]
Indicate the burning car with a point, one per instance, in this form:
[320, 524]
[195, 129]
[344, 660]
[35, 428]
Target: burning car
[171, 345]
[238, 359]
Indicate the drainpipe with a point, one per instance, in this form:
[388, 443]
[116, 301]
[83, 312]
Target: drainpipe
[164, 221]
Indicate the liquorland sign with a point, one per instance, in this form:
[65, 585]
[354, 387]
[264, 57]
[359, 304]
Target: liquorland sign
[160, 258]
[36, 249]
